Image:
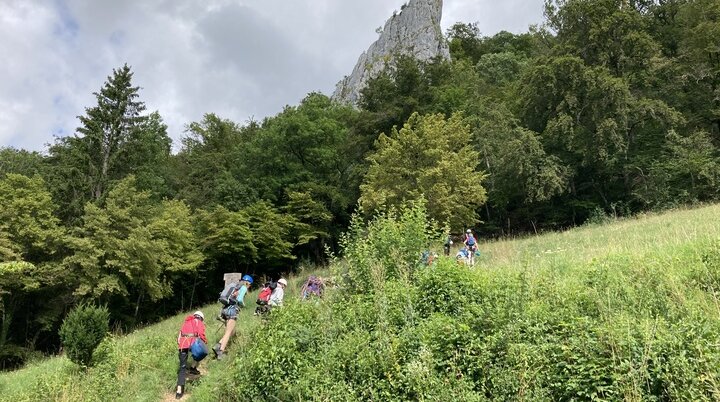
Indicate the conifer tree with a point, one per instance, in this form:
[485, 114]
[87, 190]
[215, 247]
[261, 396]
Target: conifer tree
[105, 147]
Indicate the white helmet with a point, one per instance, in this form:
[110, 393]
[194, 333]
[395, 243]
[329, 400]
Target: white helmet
[199, 314]
[282, 282]
[468, 231]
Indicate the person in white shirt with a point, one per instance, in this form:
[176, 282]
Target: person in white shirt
[276, 299]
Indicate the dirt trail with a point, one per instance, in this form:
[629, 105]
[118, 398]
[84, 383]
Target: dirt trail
[170, 395]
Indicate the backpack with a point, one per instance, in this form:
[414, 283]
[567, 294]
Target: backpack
[188, 334]
[228, 295]
[198, 350]
[470, 240]
[265, 293]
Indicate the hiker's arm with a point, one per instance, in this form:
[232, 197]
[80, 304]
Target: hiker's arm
[201, 333]
[241, 296]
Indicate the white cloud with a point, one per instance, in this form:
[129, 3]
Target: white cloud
[239, 59]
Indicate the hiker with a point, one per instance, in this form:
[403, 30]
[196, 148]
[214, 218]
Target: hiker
[463, 256]
[428, 258]
[471, 245]
[191, 342]
[264, 298]
[276, 299]
[314, 286]
[232, 297]
[446, 246]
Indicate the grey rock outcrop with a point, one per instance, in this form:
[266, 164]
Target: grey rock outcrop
[415, 31]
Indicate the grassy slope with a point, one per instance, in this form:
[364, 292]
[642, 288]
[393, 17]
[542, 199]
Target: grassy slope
[141, 366]
[652, 234]
[144, 363]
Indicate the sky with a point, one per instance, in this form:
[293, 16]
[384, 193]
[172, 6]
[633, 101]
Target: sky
[240, 59]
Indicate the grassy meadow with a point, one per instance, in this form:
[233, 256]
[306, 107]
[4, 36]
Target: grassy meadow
[140, 366]
[623, 311]
[628, 311]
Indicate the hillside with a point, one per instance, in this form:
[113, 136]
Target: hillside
[141, 366]
[627, 310]
[623, 311]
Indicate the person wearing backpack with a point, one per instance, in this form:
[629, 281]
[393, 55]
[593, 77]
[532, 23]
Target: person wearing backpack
[313, 287]
[278, 295]
[232, 297]
[264, 297]
[471, 245]
[192, 342]
[446, 246]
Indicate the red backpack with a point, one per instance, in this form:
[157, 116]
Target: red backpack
[265, 293]
[189, 332]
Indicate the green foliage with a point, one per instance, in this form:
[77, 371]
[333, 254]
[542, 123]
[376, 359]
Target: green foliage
[257, 234]
[428, 158]
[205, 169]
[614, 324]
[20, 161]
[132, 246]
[607, 32]
[688, 173]
[707, 274]
[466, 42]
[31, 245]
[82, 331]
[388, 247]
[609, 109]
[311, 218]
[27, 219]
[114, 140]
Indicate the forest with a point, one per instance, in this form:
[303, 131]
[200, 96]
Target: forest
[608, 109]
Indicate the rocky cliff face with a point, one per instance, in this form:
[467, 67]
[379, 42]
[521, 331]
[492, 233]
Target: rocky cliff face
[415, 31]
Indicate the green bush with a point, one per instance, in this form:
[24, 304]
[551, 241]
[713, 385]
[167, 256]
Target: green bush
[707, 275]
[82, 331]
[388, 247]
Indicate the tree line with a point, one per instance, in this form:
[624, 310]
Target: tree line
[611, 107]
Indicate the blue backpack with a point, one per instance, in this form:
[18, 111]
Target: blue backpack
[198, 350]
[471, 240]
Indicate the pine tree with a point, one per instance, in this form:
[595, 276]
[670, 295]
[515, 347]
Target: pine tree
[109, 127]
[106, 145]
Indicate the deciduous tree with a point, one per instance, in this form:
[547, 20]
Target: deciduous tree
[429, 157]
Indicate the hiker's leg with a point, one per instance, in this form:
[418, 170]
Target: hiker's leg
[229, 328]
[182, 371]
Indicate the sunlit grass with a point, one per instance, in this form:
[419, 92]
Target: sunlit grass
[657, 234]
[144, 367]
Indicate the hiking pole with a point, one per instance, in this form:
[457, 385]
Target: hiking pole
[222, 323]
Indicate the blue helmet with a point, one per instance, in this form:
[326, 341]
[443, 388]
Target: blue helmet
[248, 278]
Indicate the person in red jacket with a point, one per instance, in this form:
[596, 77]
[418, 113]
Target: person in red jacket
[193, 328]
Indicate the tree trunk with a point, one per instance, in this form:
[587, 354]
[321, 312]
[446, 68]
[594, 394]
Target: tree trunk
[137, 308]
[5, 329]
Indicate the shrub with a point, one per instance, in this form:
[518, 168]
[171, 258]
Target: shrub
[388, 247]
[82, 331]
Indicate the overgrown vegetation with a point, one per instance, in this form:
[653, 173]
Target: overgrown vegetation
[626, 310]
[609, 109]
[561, 317]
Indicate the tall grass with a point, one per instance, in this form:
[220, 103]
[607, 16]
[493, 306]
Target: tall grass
[624, 311]
[141, 366]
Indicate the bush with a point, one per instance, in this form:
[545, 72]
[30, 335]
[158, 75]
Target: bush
[82, 331]
[388, 247]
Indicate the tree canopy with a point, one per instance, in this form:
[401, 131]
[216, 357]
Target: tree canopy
[429, 158]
